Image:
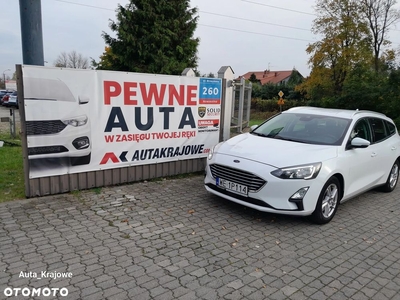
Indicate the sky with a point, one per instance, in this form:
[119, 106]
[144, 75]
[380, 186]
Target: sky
[247, 35]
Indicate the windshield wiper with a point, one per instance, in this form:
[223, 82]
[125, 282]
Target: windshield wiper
[259, 134]
[288, 139]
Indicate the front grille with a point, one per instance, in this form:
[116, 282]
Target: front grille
[46, 150]
[44, 127]
[253, 182]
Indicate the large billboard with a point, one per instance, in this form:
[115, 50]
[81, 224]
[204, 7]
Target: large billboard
[87, 120]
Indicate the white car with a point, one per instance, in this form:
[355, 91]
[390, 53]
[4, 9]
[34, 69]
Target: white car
[305, 161]
[56, 124]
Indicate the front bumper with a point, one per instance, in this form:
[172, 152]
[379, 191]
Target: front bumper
[70, 142]
[274, 196]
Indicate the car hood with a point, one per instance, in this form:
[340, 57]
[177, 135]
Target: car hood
[275, 152]
[42, 110]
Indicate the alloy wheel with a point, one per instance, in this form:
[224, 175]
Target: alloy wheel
[394, 173]
[329, 201]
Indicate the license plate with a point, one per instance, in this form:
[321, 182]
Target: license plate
[232, 186]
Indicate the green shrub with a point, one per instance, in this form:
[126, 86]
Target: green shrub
[261, 105]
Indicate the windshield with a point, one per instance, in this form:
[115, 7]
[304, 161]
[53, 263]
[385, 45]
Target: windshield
[47, 89]
[305, 128]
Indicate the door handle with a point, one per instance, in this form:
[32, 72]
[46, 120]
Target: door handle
[393, 148]
[373, 154]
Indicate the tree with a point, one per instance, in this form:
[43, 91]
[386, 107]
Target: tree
[209, 75]
[253, 78]
[345, 43]
[152, 36]
[107, 60]
[71, 60]
[381, 15]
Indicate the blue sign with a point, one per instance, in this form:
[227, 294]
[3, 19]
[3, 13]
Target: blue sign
[210, 91]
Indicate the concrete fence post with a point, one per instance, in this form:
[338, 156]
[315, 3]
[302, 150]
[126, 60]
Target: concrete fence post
[228, 75]
[189, 72]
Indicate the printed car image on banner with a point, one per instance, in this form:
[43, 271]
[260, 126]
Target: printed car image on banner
[86, 120]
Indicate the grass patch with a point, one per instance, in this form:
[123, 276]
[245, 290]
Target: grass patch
[256, 122]
[97, 190]
[11, 170]
[258, 117]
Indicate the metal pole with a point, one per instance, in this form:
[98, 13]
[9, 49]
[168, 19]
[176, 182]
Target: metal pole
[31, 32]
[250, 89]
[12, 123]
[241, 104]
[222, 113]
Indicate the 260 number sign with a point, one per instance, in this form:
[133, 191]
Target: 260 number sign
[210, 91]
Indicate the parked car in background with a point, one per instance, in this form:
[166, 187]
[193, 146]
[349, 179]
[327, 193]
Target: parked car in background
[10, 96]
[4, 98]
[12, 100]
[305, 161]
[2, 93]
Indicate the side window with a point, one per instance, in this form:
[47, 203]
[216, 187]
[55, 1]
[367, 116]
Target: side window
[378, 129]
[391, 128]
[362, 130]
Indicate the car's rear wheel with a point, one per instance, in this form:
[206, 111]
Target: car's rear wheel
[328, 202]
[393, 177]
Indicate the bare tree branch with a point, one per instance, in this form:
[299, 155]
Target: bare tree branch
[72, 59]
[381, 15]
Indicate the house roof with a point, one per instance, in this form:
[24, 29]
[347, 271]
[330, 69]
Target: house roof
[267, 76]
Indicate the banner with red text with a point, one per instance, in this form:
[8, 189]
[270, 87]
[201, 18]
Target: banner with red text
[87, 120]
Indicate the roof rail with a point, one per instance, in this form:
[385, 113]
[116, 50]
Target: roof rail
[357, 111]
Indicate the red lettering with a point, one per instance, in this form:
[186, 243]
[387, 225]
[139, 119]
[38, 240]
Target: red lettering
[108, 93]
[128, 93]
[109, 138]
[150, 92]
[180, 97]
[153, 93]
[191, 94]
[108, 156]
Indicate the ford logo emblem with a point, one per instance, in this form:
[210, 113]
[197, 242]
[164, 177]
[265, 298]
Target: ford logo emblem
[236, 161]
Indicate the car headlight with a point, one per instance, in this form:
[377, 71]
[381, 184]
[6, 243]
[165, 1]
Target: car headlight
[213, 150]
[309, 171]
[76, 121]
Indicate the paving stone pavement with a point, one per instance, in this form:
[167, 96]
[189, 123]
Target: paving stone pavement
[170, 239]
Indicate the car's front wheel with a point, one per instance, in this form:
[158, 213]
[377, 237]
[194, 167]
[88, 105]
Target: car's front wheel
[328, 202]
[391, 182]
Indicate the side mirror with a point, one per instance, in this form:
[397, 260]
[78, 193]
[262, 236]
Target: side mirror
[83, 99]
[359, 143]
[253, 127]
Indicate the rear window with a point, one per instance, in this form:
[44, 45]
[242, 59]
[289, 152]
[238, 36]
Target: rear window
[380, 129]
[391, 128]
